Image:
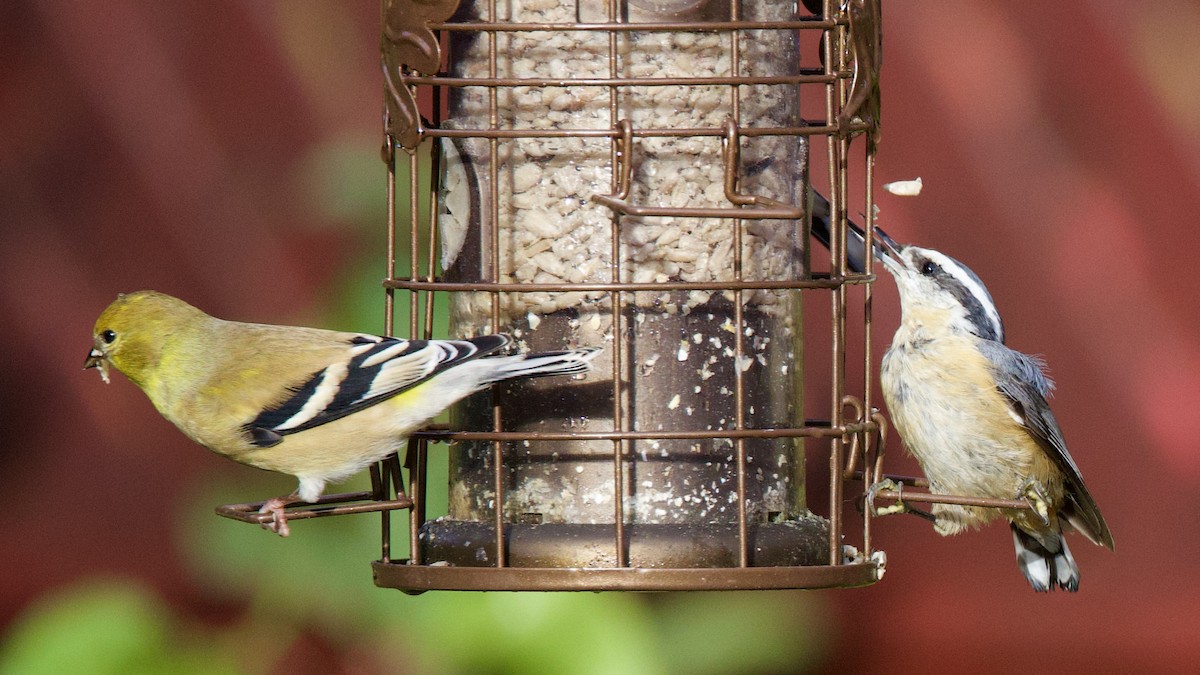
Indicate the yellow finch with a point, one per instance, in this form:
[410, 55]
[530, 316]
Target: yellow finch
[317, 404]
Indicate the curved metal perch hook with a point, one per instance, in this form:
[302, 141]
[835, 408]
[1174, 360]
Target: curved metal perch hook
[856, 447]
[881, 431]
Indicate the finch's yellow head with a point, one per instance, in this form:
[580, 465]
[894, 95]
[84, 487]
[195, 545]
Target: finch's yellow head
[133, 331]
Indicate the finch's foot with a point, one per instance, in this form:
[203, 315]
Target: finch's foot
[278, 522]
[1033, 492]
[899, 507]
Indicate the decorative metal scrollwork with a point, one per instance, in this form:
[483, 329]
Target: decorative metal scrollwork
[409, 44]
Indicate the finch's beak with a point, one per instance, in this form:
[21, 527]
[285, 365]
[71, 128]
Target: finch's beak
[96, 359]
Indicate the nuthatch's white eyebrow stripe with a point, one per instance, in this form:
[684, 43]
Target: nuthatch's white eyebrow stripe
[973, 285]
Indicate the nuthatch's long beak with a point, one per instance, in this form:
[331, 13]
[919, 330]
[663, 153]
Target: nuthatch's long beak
[887, 250]
[856, 240]
[96, 359]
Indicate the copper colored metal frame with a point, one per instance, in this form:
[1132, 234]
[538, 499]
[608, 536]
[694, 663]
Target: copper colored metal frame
[412, 60]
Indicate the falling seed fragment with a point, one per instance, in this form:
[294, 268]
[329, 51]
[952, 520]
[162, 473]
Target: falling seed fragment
[904, 188]
[674, 402]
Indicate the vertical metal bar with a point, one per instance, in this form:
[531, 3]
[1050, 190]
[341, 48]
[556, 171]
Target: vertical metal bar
[381, 486]
[389, 302]
[868, 459]
[414, 221]
[419, 454]
[414, 266]
[739, 391]
[416, 492]
[494, 201]
[619, 446]
[435, 172]
[418, 472]
[835, 95]
[414, 269]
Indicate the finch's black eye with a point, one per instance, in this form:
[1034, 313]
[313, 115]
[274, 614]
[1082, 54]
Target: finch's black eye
[108, 336]
[929, 268]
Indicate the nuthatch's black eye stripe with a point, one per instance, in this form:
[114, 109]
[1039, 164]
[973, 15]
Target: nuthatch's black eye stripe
[976, 313]
[967, 289]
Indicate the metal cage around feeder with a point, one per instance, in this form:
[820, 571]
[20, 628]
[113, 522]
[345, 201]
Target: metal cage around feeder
[631, 175]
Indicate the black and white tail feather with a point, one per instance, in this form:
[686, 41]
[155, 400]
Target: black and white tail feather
[1045, 569]
[376, 369]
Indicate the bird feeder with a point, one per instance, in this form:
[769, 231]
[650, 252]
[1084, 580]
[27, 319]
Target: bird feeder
[632, 175]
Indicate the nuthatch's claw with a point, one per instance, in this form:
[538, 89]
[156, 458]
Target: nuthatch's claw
[1032, 491]
[886, 484]
[899, 507]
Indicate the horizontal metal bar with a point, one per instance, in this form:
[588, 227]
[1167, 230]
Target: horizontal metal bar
[817, 77]
[802, 23]
[915, 481]
[928, 498]
[799, 432]
[933, 498]
[741, 213]
[814, 129]
[419, 578]
[329, 505]
[818, 281]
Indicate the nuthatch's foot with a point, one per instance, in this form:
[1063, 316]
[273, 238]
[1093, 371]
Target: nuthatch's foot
[278, 522]
[899, 507]
[1032, 491]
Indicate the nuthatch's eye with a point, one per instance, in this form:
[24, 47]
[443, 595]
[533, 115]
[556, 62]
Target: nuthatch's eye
[929, 268]
[108, 336]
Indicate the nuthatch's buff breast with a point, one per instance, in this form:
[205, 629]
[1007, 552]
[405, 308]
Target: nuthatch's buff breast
[945, 405]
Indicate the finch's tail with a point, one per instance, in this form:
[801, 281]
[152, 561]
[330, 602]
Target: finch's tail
[569, 362]
[1043, 568]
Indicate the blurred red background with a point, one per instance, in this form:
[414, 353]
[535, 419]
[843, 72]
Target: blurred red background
[170, 146]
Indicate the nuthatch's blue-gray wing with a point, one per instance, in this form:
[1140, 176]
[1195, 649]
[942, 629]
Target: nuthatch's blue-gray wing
[1020, 379]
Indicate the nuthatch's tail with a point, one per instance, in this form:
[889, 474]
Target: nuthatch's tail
[1043, 568]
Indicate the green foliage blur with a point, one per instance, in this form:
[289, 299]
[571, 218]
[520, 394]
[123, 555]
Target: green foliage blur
[316, 586]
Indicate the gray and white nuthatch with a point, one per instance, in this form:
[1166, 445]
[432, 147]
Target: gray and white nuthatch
[974, 414]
